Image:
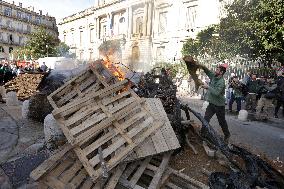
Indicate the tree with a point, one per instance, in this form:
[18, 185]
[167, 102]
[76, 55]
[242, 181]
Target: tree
[252, 29]
[42, 44]
[62, 49]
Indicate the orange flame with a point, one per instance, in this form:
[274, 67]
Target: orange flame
[114, 68]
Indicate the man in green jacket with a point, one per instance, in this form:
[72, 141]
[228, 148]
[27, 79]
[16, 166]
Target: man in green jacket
[216, 98]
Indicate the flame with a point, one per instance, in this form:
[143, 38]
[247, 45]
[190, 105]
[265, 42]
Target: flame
[114, 68]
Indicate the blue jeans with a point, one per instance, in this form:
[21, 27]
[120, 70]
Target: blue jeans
[238, 101]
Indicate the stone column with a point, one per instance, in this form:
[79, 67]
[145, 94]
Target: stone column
[130, 21]
[150, 19]
[109, 19]
[97, 28]
[145, 19]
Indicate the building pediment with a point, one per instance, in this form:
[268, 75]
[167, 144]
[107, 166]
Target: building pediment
[164, 4]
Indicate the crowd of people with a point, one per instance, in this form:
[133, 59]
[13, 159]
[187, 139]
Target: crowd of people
[258, 92]
[10, 70]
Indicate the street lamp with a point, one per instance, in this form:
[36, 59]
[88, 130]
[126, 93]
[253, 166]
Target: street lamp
[46, 49]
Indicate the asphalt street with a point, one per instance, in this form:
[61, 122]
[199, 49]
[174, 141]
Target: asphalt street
[266, 138]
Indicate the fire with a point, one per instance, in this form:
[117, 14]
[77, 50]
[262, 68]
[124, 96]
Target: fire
[114, 68]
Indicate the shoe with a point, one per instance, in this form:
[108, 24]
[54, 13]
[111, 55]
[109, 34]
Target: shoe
[276, 116]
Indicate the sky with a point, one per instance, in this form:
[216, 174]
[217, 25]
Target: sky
[57, 8]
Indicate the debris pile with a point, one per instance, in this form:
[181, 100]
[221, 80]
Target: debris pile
[25, 85]
[115, 138]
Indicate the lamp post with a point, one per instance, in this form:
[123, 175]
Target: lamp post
[46, 49]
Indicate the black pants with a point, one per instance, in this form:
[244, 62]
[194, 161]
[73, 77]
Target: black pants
[220, 113]
[278, 105]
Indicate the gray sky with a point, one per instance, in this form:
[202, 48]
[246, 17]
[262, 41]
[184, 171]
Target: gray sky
[56, 8]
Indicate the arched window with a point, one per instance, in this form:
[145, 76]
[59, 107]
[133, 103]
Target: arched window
[10, 49]
[2, 50]
[11, 37]
[139, 25]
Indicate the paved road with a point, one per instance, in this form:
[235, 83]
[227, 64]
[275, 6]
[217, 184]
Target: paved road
[260, 137]
[8, 135]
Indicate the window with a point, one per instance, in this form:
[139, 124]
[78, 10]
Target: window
[91, 56]
[20, 40]
[191, 16]
[37, 20]
[9, 23]
[19, 15]
[2, 49]
[162, 22]
[104, 31]
[160, 53]
[81, 38]
[92, 30]
[8, 11]
[29, 29]
[10, 49]
[11, 38]
[139, 25]
[28, 17]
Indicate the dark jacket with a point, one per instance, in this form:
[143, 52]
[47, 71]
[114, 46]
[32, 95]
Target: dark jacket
[280, 88]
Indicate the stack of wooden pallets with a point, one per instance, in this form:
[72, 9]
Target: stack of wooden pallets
[115, 138]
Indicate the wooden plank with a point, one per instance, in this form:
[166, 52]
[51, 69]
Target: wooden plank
[70, 173]
[133, 181]
[115, 177]
[159, 173]
[78, 179]
[49, 163]
[163, 140]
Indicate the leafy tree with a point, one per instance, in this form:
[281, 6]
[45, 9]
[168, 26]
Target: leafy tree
[252, 29]
[62, 49]
[42, 44]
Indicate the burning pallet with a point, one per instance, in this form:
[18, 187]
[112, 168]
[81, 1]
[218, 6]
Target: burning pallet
[109, 129]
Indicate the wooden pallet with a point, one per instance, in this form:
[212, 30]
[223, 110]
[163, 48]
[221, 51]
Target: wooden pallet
[175, 179]
[164, 138]
[114, 119]
[139, 174]
[64, 170]
[91, 80]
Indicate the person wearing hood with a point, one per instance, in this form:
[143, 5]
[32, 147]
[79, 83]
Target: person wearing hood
[216, 98]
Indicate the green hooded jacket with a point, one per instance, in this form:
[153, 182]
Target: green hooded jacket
[216, 89]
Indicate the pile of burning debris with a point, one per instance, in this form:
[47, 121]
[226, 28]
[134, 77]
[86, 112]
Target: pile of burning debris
[118, 140]
[115, 138]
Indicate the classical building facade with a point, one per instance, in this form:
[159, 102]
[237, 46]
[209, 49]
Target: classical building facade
[150, 30]
[16, 25]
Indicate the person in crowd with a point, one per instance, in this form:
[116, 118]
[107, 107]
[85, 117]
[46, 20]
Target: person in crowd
[7, 73]
[43, 67]
[236, 94]
[253, 90]
[229, 89]
[247, 78]
[216, 98]
[268, 93]
[2, 73]
[279, 93]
